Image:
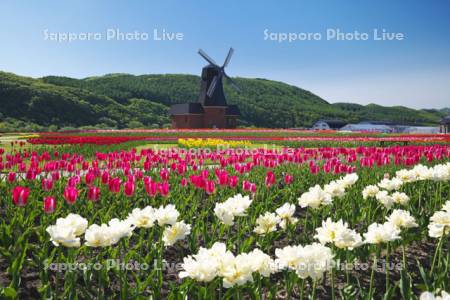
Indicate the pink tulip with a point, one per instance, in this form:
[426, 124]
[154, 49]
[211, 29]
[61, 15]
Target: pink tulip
[56, 176]
[114, 185]
[184, 182]
[233, 181]
[11, 177]
[47, 184]
[89, 178]
[163, 189]
[31, 174]
[49, 205]
[246, 185]
[288, 179]
[20, 195]
[270, 179]
[151, 188]
[93, 193]
[129, 188]
[70, 194]
[210, 187]
[105, 177]
[164, 174]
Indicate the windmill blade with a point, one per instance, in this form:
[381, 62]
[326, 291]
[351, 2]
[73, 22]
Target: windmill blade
[228, 58]
[231, 81]
[206, 57]
[212, 86]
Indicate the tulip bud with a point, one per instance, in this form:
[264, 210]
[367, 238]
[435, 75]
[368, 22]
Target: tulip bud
[49, 205]
[164, 174]
[70, 194]
[129, 188]
[89, 178]
[93, 193]
[288, 179]
[105, 177]
[11, 177]
[47, 184]
[163, 189]
[270, 179]
[20, 195]
[233, 181]
[210, 187]
[150, 187]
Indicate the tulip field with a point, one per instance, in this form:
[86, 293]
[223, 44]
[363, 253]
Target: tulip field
[234, 215]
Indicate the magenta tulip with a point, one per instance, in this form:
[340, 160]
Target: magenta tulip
[163, 189]
[49, 205]
[129, 188]
[47, 184]
[11, 177]
[150, 187]
[210, 187]
[233, 181]
[70, 194]
[20, 195]
[93, 193]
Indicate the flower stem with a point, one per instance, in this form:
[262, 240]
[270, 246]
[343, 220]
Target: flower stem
[438, 248]
[372, 275]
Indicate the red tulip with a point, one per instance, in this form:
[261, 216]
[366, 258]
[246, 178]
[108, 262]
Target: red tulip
[246, 185]
[20, 195]
[56, 176]
[114, 185]
[233, 181]
[49, 205]
[11, 177]
[164, 174]
[184, 182]
[151, 187]
[288, 179]
[270, 179]
[163, 189]
[31, 174]
[70, 194]
[89, 178]
[105, 177]
[73, 181]
[47, 184]
[129, 188]
[93, 193]
[210, 187]
[223, 178]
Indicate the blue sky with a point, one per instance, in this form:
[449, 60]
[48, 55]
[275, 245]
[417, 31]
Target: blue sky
[413, 72]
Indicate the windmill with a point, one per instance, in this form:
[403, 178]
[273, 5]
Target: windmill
[211, 87]
[211, 110]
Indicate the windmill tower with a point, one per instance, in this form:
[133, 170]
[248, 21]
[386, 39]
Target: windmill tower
[211, 110]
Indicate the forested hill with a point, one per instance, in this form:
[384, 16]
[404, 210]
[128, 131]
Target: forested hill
[123, 100]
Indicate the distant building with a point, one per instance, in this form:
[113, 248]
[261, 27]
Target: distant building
[367, 127]
[328, 124]
[421, 129]
[445, 125]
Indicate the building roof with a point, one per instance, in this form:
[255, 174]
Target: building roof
[446, 120]
[232, 110]
[385, 122]
[335, 124]
[366, 127]
[186, 108]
